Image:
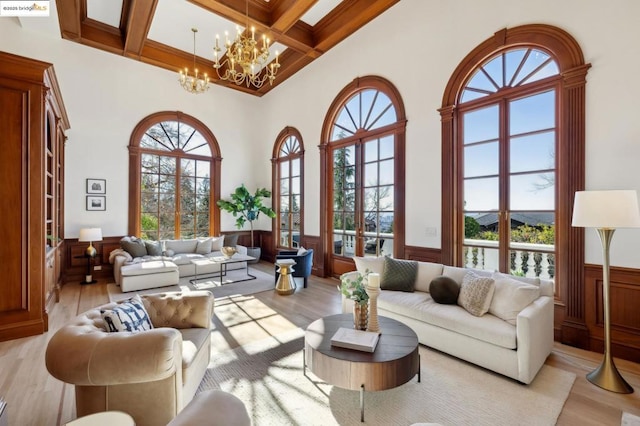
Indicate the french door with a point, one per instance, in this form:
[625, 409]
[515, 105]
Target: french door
[509, 181]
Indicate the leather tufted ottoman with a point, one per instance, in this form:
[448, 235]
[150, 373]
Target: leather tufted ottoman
[143, 275]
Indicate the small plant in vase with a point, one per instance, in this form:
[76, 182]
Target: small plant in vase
[355, 289]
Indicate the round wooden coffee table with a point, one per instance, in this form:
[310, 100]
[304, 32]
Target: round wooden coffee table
[393, 363]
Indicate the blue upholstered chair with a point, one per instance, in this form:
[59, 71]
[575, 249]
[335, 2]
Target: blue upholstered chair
[302, 268]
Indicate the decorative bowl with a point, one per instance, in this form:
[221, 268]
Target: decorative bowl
[228, 252]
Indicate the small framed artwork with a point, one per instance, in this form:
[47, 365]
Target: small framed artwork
[96, 202]
[96, 186]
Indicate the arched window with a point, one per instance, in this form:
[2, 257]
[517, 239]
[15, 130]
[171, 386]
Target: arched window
[513, 155]
[507, 144]
[174, 176]
[288, 176]
[363, 173]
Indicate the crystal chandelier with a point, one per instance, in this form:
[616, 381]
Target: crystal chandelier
[245, 58]
[195, 83]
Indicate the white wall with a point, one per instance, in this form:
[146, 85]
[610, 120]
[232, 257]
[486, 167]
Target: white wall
[417, 44]
[106, 96]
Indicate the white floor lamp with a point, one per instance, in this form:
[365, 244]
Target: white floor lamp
[606, 211]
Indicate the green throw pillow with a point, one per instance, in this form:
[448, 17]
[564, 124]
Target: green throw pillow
[399, 275]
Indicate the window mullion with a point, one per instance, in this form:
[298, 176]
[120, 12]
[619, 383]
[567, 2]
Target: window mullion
[504, 222]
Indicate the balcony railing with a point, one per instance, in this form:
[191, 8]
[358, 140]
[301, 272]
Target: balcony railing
[527, 260]
[344, 244]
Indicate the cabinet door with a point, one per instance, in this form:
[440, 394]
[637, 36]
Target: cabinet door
[22, 234]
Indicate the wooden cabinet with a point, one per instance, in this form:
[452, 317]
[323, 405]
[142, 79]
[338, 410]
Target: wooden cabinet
[33, 121]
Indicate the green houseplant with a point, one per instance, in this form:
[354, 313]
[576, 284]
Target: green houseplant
[246, 207]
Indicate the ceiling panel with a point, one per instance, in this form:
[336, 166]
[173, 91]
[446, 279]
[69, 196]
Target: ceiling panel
[106, 11]
[319, 11]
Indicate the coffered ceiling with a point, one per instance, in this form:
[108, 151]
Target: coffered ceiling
[158, 32]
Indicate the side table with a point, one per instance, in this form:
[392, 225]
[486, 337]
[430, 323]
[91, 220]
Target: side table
[286, 285]
[88, 278]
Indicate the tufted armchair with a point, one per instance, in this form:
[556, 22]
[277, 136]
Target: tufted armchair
[303, 266]
[151, 374]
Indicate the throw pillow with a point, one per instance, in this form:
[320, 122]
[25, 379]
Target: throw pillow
[204, 246]
[399, 275]
[182, 246]
[154, 248]
[510, 297]
[127, 316]
[301, 251]
[231, 240]
[134, 246]
[476, 293]
[169, 253]
[217, 243]
[444, 290]
[372, 264]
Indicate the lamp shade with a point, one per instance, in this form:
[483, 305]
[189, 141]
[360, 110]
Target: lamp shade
[90, 234]
[606, 209]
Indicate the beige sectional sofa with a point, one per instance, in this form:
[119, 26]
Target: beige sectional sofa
[515, 350]
[163, 263]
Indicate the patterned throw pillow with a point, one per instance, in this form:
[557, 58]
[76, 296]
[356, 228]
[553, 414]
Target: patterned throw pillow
[127, 316]
[476, 293]
[399, 275]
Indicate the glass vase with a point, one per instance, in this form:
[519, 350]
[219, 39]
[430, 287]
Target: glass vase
[360, 315]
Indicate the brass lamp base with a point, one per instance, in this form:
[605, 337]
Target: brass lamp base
[607, 377]
[90, 251]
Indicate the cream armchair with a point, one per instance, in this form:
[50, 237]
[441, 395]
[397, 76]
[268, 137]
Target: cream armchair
[150, 375]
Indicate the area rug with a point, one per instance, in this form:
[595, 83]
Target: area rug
[263, 282]
[268, 377]
[629, 419]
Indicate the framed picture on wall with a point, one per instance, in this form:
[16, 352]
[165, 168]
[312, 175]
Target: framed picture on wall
[96, 186]
[96, 202]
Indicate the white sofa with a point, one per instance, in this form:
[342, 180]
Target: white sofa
[517, 351]
[172, 262]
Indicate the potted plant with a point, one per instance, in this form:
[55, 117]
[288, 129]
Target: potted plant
[246, 207]
[355, 289]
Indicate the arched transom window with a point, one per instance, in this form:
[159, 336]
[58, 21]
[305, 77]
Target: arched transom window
[174, 171]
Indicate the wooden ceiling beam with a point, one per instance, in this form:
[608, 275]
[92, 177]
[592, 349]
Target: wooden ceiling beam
[286, 13]
[140, 16]
[102, 36]
[69, 19]
[235, 11]
[348, 17]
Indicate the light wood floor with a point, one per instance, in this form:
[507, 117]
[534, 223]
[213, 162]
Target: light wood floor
[35, 398]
